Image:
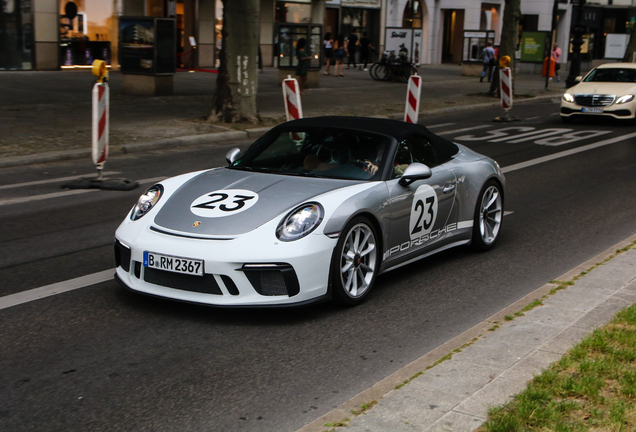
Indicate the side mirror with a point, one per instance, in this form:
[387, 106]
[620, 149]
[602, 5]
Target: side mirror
[413, 172]
[232, 155]
[578, 79]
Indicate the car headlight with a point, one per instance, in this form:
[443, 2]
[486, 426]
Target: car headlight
[146, 202]
[625, 99]
[568, 97]
[300, 222]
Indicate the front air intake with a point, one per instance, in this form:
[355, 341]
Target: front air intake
[272, 279]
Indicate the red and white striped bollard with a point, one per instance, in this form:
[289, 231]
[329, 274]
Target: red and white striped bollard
[413, 93]
[291, 95]
[505, 88]
[101, 99]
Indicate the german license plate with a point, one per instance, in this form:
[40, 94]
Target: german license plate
[173, 264]
[592, 110]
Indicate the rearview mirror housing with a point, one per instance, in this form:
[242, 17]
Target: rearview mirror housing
[232, 155]
[413, 172]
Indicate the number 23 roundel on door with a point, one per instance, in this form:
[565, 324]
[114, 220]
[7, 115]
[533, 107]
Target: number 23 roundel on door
[423, 211]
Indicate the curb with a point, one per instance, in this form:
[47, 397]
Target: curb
[428, 360]
[192, 140]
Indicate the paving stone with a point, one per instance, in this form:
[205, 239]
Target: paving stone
[498, 392]
[532, 365]
[456, 422]
[561, 343]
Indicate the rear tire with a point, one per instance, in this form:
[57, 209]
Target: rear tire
[355, 263]
[488, 216]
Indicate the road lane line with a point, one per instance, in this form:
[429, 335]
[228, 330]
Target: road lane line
[565, 153]
[463, 130]
[53, 180]
[56, 288]
[65, 193]
[20, 200]
[439, 125]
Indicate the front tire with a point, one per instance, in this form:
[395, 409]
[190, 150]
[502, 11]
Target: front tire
[488, 216]
[355, 263]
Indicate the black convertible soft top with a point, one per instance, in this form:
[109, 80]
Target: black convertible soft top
[394, 128]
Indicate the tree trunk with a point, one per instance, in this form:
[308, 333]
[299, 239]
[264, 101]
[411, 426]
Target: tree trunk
[508, 44]
[631, 47]
[237, 81]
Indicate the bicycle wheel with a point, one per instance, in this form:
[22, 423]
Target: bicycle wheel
[406, 71]
[372, 70]
[383, 72]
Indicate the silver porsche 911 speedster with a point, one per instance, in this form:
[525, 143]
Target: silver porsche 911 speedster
[315, 209]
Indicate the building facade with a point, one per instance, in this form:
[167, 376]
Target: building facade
[54, 34]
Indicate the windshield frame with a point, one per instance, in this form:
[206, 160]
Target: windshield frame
[600, 71]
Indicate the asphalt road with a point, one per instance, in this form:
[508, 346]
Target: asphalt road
[101, 358]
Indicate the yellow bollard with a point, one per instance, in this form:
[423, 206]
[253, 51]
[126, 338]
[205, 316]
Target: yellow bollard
[100, 71]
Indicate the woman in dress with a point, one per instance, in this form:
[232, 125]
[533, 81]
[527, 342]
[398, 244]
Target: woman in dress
[340, 53]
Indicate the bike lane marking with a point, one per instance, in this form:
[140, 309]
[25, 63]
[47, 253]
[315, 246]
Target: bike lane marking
[106, 275]
[566, 153]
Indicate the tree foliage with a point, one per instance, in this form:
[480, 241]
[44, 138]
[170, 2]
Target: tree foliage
[237, 81]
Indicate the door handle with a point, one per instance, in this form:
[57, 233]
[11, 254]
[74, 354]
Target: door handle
[449, 188]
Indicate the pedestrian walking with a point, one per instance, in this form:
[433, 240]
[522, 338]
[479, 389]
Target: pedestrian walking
[339, 53]
[328, 46]
[488, 55]
[352, 48]
[556, 56]
[365, 48]
[303, 64]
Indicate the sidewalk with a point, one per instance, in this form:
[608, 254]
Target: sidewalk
[44, 112]
[488, 364]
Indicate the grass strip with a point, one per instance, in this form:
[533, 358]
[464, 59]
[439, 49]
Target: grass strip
[592, 387]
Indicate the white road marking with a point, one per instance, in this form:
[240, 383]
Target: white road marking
[463, 130]
[56, 288]
[439, 125]
[53, 180]
[566, 153]
[95, 278]
[65, 193]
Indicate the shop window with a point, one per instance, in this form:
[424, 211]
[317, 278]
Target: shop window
[154, 8]
[412, 16]
[16, 35]
[86, 31]
[289, 12]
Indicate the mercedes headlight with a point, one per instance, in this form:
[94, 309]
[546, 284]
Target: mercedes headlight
[625, 99]
[300, 222]
[568, 97]
[146, 202]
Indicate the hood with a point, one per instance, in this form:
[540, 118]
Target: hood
[618, 89]
[226, 202]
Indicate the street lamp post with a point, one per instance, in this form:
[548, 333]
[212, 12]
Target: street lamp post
[577, 41]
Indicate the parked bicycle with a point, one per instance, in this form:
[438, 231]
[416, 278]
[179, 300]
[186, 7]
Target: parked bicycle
[391, 66]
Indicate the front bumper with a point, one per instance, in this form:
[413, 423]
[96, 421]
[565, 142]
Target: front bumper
[250, 270]
[617, 111]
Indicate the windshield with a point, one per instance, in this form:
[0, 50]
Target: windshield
[626, 75]
[318, 152]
